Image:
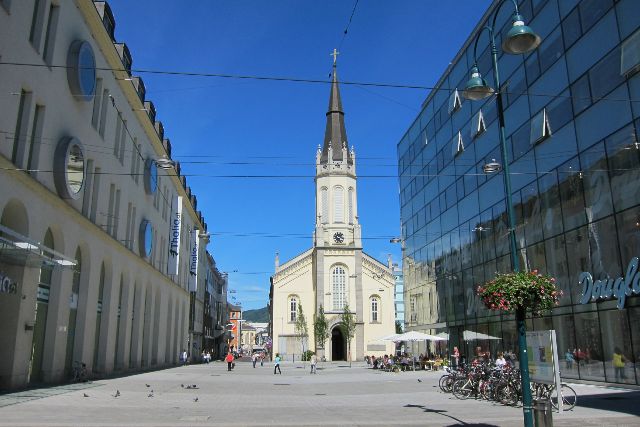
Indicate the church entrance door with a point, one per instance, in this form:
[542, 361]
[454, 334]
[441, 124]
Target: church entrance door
[338, 345]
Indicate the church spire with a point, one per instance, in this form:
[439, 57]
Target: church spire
[335, 134]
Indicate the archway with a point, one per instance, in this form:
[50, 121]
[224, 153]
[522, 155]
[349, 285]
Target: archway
[338, 344]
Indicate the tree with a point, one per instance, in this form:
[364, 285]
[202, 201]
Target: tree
[320, 328]
[301, 328]
[348, 326]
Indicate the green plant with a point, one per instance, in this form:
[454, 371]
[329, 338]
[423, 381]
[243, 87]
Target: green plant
[348, 325]
[301, 327]
[526, 289]
[306, 356]
[320, 328]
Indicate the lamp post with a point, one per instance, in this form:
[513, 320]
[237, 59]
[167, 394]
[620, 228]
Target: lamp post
[519, 40]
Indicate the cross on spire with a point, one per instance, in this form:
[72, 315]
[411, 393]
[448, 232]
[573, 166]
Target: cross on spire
[335, 56]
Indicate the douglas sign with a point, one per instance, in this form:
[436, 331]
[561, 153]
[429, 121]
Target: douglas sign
[604, 289]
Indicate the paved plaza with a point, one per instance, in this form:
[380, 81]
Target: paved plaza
[336, 396]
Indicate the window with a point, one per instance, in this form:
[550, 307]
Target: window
[540, 129]
[50, 35]
[338, 204]
[293, 308]
[116, 143]
[375, 304]
[477, 125]
[103, 112]
[351, 217]
[22, 123]
[97, 103]
[94, 194]
[454, 102]
[37, 20]
[338, 286]
[35, 139]
[457, 145]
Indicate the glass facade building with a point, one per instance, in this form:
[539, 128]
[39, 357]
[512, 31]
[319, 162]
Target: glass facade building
[572, 112]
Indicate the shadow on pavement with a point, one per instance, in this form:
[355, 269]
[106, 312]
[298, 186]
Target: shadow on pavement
[617, 402]
[442, 412]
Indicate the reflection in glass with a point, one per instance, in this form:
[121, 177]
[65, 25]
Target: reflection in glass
[75, 169]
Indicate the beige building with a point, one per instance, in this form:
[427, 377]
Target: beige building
[95, 263]
[335, 272]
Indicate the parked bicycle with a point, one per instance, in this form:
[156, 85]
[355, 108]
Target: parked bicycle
[548, 391]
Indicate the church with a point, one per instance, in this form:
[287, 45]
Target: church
[335, 272]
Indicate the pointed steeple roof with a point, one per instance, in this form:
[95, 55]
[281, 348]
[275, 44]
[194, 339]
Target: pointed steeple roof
[335, 133]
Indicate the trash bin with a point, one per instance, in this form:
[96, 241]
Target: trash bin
[542, 415]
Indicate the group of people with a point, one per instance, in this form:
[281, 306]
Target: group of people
[206, 356]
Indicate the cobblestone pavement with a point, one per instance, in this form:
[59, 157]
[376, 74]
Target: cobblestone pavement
[336, 396]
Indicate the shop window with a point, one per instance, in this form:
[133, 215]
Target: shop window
[540, 128]
[588, 353]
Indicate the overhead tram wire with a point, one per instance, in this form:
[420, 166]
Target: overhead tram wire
[346, 30]
[311, 81]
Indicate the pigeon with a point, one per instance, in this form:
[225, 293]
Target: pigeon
[419, 380]
[182, 385]
[147, 385]
[150, 395]
[85, 394]
[195, 400]
[117, 393]
[194, 386]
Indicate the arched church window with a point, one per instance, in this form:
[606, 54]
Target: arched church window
[350, 205]
[338, 204]
[339, 287]
[324, 202]
[375, 307]
[293, 308]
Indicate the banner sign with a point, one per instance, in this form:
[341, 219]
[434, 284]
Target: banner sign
[193, 261]
[175, 222]
[542, 353]
[620, 288]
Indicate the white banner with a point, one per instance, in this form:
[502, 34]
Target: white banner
[193, 261]
[175, 226]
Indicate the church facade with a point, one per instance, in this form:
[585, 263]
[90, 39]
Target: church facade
[335, 272]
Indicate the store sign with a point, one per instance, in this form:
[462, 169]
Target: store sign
[193, 261]
[174, 235]
[7, 285]
[604, 289]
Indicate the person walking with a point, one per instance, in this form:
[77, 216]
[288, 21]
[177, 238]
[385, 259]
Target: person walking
[262, 358]
[229, 360]
[314, 362]
[618, 364]
[277, 364]
[254, 359]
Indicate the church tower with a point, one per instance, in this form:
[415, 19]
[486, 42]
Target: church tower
[334, 275]
[336, 190]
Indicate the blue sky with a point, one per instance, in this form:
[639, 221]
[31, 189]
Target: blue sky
[221, 126]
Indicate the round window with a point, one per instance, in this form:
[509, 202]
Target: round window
[68, 168]
[145, 238]
[150, 176]
[81, 70]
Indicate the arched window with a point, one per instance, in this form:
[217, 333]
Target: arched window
[338, 204]
[375, 307]
[324, 202]
[339, 287]
[351, 205]
[293, 308]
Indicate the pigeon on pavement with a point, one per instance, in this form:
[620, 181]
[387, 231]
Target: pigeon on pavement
[147, 385]
[196, 399]
[150, 395]
[85, 394]
[419, 380]
[182, 385]
[117, 393]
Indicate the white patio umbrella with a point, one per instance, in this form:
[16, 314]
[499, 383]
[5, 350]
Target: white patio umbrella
[417, 336]
[443, 335]
[473, 336]
[392, 337]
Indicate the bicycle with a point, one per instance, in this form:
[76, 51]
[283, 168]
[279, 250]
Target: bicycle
[548, 391]
[79, 373]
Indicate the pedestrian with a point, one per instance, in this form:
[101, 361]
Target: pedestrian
[262, 358]
[254, 359]
[456, 357]
[277, 364]
[569, 359]
[618, 364]
[314, 362]
[184, 357]
[229, 360]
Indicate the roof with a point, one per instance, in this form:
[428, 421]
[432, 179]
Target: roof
[335, 134]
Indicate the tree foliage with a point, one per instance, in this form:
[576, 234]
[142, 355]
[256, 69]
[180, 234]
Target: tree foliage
[301, 327]
[348, 326]
[320, 328]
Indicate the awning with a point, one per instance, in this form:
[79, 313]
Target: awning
[17, 249]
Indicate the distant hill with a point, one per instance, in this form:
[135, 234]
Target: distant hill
[260, 315]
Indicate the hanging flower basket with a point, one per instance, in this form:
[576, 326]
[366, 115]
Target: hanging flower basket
[528, 290]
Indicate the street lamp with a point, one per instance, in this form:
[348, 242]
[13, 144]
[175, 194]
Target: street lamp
[520, 39]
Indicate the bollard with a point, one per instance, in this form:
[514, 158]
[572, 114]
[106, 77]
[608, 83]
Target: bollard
[542, 415]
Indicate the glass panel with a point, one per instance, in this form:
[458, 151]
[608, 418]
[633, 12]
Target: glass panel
[618, 354]
[567, 349]
[589, 356]
[624, 167]
[571, 28]
[629, 234]
[597, 191]
[557, 267]
[581, 94]
[75, 169]
[550, 210]
[540, 129]
[571, 195]
[592, 10]
[634, 319]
